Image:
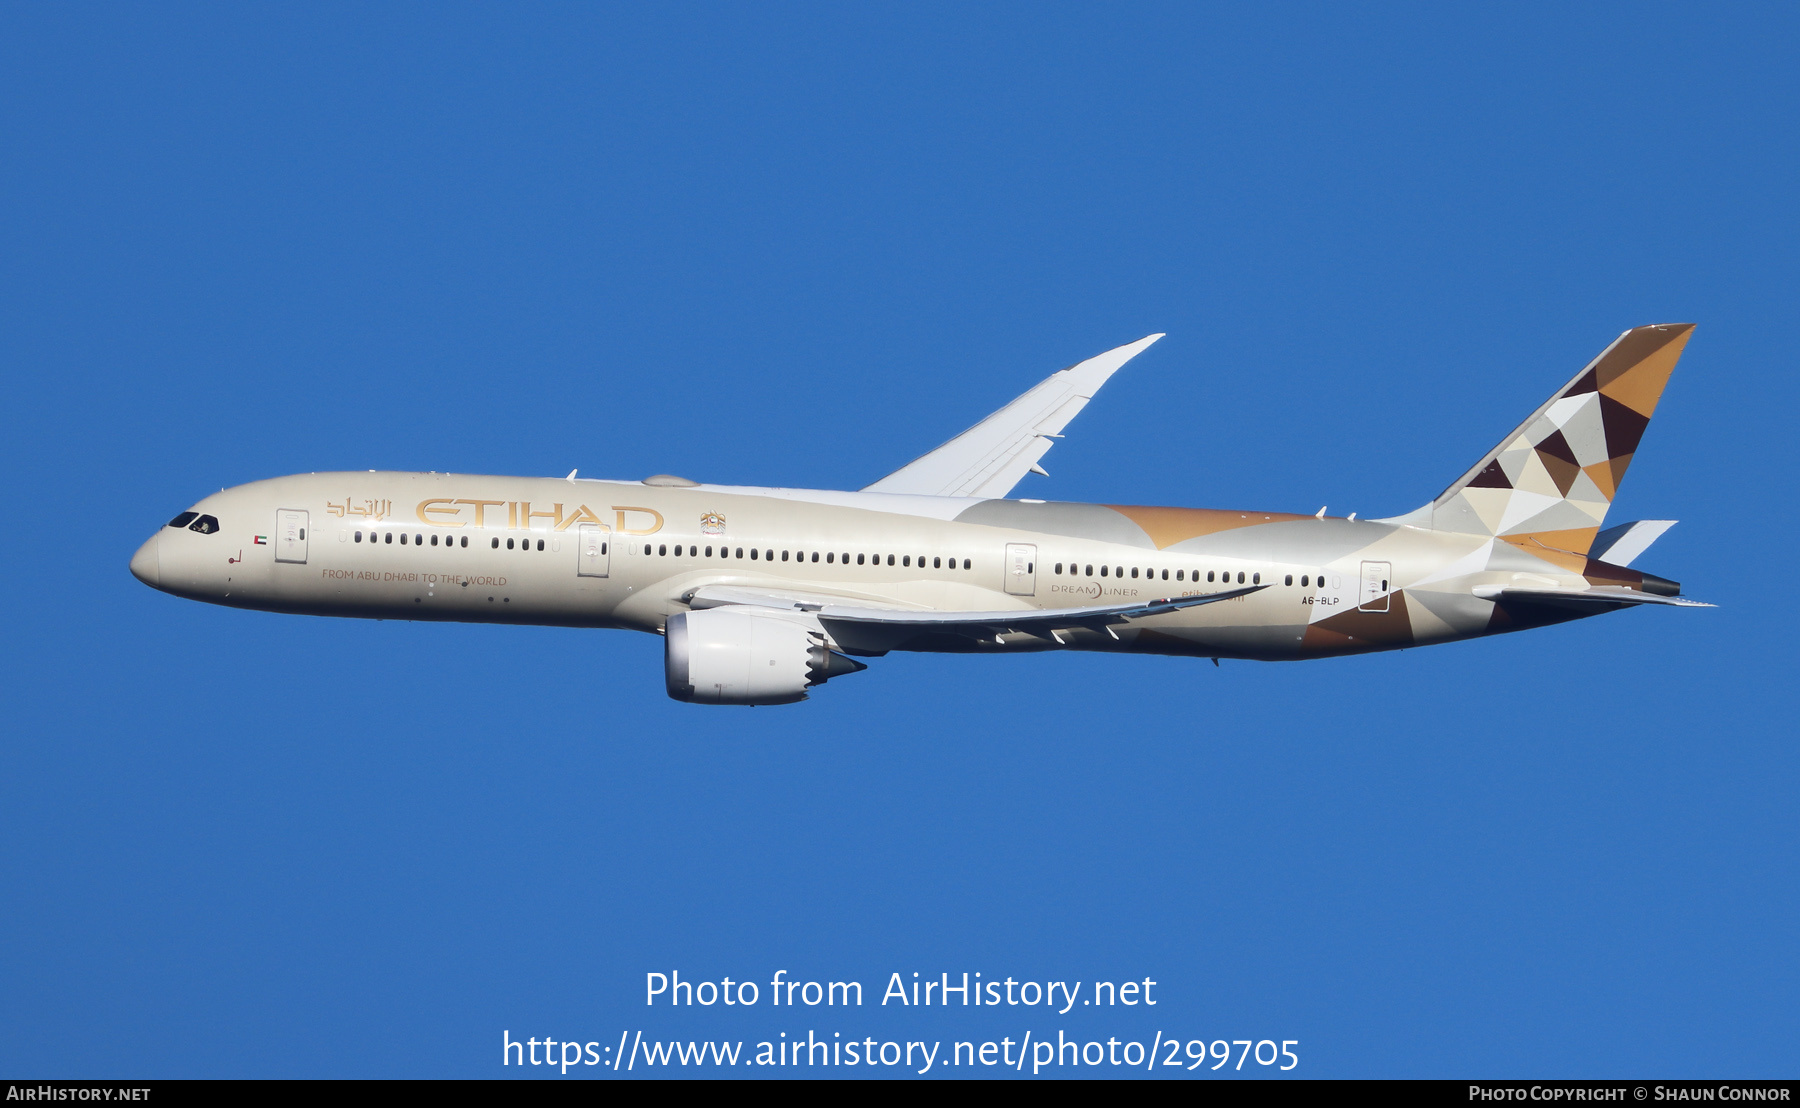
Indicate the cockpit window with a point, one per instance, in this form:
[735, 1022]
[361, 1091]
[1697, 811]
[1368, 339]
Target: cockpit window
[184, 519]
[206, 525]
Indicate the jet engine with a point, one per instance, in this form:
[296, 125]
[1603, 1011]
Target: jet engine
[732, 656]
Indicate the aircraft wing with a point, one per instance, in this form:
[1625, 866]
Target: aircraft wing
[1570, 598]
[845, 610]
[994, 455]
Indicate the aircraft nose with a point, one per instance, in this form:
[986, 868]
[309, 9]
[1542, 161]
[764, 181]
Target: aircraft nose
[146, 564]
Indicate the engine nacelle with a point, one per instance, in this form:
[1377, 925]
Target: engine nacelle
[732, 656]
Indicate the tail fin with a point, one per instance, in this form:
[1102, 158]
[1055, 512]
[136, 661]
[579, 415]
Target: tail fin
[1550, 482]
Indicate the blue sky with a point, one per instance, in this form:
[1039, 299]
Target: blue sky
[799, 245]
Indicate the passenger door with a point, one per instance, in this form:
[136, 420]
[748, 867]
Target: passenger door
[593, 551]
[1021, 569]
[290, 536]
[1376, 577]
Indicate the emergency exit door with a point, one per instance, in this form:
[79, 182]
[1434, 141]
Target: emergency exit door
[592, 551]
[1376, 576]
[1021, 569]
[290, 535]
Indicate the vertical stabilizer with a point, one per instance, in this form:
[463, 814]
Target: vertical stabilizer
[1550, 482]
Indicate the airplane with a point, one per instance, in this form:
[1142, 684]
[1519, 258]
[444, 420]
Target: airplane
[761, 594]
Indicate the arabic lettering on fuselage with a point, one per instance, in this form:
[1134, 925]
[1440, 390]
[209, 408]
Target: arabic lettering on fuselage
[371, 509]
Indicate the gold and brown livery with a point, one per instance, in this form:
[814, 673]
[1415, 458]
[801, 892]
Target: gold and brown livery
[935, 557]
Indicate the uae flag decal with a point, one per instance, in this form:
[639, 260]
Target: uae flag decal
[262, 540]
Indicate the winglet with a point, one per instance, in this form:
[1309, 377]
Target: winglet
[991, 457]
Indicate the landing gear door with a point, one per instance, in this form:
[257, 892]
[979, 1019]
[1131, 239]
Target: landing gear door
[1021, 569]
[593, 551]
[1376, 577]
[290, 536]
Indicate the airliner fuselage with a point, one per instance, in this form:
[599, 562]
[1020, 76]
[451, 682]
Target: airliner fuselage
[784, 584]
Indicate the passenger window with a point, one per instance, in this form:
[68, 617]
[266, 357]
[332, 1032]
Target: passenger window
[1134, 573]
[1288, 580]
[1181, 575]
[1165, 575]
[495, 543]
[1240, 576]
[907, 560]
[1256, 579]
[418, 540]
[509, 542]
[830, 558]
[1209, 575]
[1090, 571]
[184, 519]
[1058, 569]
[890, 559]
[388, 538]
[768, 555]
[1103, 571]
[784, 555]
[206, 525]
[540, 544]
[359, 536]
[967, 564]
[1118, 571]
[709, 552]
[740, 552]
[662, 551]
[465, 542]
[937, 562]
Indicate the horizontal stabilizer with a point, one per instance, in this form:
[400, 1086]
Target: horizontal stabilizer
[1622, 545]
[994, 455]
[1604, 596]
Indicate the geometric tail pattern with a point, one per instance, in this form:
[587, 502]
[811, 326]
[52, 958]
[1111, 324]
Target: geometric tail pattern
[1548, 485]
